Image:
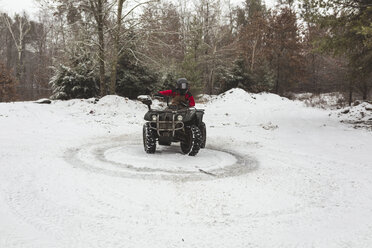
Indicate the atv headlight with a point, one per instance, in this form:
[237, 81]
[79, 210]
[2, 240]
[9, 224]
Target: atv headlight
[154, 117]
[179, 118]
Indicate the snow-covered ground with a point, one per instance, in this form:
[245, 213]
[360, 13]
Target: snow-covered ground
[279, 174]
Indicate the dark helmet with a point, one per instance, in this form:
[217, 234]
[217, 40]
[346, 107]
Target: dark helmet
[182, 86]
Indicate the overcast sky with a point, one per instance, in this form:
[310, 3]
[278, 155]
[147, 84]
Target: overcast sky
[30, 6]
[18, 6]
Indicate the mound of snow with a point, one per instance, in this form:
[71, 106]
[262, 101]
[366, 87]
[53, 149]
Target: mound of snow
[232, 96]
[110, 105]
[115, 104]
[242, 100]
[238, 108]
[241, 97]
[109, 110]
[359, 114]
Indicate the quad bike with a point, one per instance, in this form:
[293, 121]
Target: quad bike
[173, 124]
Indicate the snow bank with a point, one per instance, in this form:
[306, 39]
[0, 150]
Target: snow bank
[239, 96]
[115, 104]
[239, 108]
[109, 110]
[109, 105]
[358, 114]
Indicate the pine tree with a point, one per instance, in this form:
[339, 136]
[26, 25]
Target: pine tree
[238, 76]
[134, 78]
[285, 50]
[7, 85]
[168, 81]
[77, 80]
[348, 33]
[261, 36]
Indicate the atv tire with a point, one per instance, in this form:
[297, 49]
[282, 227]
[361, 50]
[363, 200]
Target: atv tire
[203, 130]
[149, 138]
[192, 142]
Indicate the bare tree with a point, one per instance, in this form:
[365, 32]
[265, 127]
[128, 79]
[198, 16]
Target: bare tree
[117, 34]
[98, 9]
[18, 31]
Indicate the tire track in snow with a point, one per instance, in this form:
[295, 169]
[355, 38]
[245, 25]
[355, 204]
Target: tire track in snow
[92, 157]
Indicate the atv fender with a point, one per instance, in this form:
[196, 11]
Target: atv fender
[199, 117]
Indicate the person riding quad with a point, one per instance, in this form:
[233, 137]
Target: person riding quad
[181, 96]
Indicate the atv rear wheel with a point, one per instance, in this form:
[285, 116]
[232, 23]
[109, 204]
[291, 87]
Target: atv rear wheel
[149, 138]
[192, 142]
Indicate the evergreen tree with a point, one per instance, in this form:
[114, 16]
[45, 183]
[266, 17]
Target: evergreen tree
[191, 64]
[134, 78]
[168, 81]
[77, 80]
[191, 69]
[347, 26]
[254, 8]
[285, 50]
[7, 85]
[263, 78]
[238, 76]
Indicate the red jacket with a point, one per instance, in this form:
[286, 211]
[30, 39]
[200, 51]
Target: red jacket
[188, 96]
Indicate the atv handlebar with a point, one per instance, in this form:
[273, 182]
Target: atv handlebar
[162, 97]
[145, 99]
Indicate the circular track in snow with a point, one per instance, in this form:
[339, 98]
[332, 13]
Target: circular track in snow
[127, 158]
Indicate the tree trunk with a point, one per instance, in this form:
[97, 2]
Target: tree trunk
[365, 90]
[9, 46]
[277, 77]
[24, 27]
[211, 82]
[116, 48]
[101, 43]
[314, 74]
[350, 92]
[101, 62]
[253, 53]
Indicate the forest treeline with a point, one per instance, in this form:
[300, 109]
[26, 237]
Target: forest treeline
[91, 48]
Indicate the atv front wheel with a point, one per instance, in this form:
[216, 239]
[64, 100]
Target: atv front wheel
[193, 139]
[149, 138]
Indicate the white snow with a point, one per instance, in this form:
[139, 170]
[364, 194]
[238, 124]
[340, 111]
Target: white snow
[73, 174]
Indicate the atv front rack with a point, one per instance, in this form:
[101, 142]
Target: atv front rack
[167, 126]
